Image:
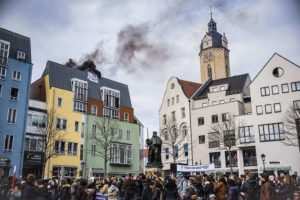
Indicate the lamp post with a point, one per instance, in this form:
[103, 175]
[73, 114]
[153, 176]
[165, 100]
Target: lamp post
[263, 158]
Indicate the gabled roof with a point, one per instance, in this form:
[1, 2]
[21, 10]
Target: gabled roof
[274, 54]
[17, 42]
[188, 87]
[235, 85]
[60, 77]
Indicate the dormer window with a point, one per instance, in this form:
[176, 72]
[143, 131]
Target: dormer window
[172, 86]
[80, 90]
[111, 101]
[93, 77]
[21, 55]
[4, 51]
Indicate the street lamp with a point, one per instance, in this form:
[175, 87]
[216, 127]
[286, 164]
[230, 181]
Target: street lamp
[263, 158]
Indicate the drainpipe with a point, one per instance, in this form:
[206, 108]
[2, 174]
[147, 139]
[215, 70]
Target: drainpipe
[190, 115]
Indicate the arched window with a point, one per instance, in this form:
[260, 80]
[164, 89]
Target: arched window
[209, 72]
[184, 131]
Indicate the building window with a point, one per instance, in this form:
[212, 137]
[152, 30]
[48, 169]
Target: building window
[61, 124]
[215, 158]
[229, 138]
[296, 105]
[265, 91]
[167, 153]
[0, 90]
[37, 121]
[278, 72]
[183, 112]
[177, 98]
[128, 135]
[33, 145]
[14, 94]
[93, 150]
[8, 143]
[209, 72]
[285, 88]
[225, 117]
[81, 152]
[126, 116]
[201, 139]
[59, 102]
[2, 72]
[80, 90]
[173, 100]
[233, 161]
[222, 101]
[176, 151]
[120, 154]
[186, 149]
[120, 134]
[4, 51]
[214, 119]
[16, 76]
[271, 132]
[164, 119]
[72, 148]
[82, 129]
[64, 171]
[168, 102]
[268, 108]
[259, 110]
[277, 107]
[173, 116]
[94, 130]
[249, 156]
[12, 115]
[76, 126]
[172, 86]
[94, 110]
[213, 140]
[200, 121]
[21, 55]
[204, 104]
[59, 147]
[275, 89]
[111, 99]
[184, 131]
[166, 136]
[295, 86]
[246, 134]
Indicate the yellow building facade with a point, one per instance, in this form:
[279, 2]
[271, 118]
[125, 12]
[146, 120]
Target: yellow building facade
[66, 139]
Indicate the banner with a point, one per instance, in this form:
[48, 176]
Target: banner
[195, 168]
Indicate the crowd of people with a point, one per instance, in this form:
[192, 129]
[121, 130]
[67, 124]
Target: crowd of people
[152, 187]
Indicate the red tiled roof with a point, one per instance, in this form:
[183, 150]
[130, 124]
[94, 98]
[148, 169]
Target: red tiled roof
[188, 87]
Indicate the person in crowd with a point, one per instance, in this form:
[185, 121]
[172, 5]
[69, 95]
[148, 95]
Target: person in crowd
[113, 190]
[15, 193]
[266, 191]
[170, 188]
[29, 190]
[233, 191]
[221, 189]
[208, 188]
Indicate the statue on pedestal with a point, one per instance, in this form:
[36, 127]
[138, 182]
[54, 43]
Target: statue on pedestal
[154, 151]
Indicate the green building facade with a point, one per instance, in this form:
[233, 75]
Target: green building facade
[122, 139]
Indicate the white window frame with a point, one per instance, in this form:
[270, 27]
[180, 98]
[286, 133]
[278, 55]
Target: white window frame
[126, 116]
[285, 88]
[16, 75]
[268, 108]
[14, 98]
[259, 110]
[274, 90]
[277, 107]
[61, 122]
[94, 110]
[128, 135]
[11, 118]
[10, 143]
[7, 52]
[21, 55]
[59, 101]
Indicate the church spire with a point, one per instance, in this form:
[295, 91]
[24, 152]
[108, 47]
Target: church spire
[212, 25]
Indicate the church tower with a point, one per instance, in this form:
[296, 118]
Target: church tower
[214, 54]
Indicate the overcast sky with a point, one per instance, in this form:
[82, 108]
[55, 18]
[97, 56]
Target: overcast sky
[171, 31]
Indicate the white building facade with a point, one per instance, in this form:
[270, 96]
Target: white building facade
[174, 115]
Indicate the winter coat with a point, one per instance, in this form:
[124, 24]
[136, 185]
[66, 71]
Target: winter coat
[171, 190]
[29, 192]
[220, 191]
[147, 193]
[266, 191]
[233, 193]
[208, 190]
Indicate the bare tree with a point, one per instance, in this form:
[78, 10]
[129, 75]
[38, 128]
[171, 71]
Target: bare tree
[226, 134]
[103, 137]
[171, 137]
[49, 134]
[292, 126]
